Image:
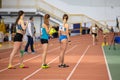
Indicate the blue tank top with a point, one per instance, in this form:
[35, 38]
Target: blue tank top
[44, 34]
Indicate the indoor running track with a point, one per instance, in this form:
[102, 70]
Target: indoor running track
[86, 62]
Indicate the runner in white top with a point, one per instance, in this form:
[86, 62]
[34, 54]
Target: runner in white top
[94, 32]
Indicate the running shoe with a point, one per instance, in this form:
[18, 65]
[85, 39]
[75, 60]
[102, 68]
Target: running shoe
[33, 52]
[103, 44]
[11, 67]
[44, 66]
[25, 52]
[22, 66]
[63, 65]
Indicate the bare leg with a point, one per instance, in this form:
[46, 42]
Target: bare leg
[45, 47]
[104, 38]
[63, 46]
[93, 39]
[14, 51]
[96, 39]
[22, 57]
[21, 54]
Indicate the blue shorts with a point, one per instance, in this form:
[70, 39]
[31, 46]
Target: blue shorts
[62, 37]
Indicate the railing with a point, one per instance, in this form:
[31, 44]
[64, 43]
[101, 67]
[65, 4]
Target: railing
[57, 14]
[81, 18]
[44, 7]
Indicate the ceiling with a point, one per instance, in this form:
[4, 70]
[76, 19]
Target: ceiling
[97, 3]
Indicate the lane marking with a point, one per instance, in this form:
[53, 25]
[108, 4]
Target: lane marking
[15, 55]
[19, 55]
[30, 58]
[48, 63]
[75, 67]
[108, 70]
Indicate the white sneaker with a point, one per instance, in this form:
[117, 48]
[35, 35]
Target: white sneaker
[33, 53]
[25, 52]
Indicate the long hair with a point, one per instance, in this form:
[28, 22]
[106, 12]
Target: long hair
[46, 17]
[65, 16]
[20, 13]
[96, 25]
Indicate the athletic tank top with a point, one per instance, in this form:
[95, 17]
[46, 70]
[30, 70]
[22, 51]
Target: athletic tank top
[94, 29]
[19, 27]
[44, 34]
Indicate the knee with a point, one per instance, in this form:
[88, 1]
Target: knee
[12, 54]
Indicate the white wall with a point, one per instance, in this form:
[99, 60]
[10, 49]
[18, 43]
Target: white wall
[98, 13]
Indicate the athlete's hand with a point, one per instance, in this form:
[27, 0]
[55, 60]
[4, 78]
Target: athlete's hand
[26, 23]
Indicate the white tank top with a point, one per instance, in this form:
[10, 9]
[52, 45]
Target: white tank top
[62, 28]
[94, 29]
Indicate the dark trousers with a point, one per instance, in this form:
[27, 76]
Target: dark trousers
[30, 42]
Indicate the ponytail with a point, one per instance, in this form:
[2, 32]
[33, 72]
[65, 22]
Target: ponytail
[20, 13]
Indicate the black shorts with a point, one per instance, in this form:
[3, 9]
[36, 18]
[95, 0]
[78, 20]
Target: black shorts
[95, 34]
[18, 37]
[43, 41]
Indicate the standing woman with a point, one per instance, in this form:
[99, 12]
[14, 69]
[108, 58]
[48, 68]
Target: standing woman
[18, 40]
[64, 39]
[44, 39]
[94, 32]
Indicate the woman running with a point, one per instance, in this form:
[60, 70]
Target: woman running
[94, 32]
[44, 39]
[106, 30]
[64, 39]
[20, 24]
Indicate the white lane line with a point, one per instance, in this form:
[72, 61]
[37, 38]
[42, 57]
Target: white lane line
[8, 58]
[30, 59]
[108, 70]
[48, 63]
[71, 73]
[19, 55]
[16, 55]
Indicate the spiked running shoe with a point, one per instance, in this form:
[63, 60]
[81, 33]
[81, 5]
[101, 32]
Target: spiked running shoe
[44, 66]
[11, 67]
[63, 65]
[22, 66]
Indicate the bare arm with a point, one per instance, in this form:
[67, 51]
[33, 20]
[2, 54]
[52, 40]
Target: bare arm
[46, 27]
[23, 25]
[67, 31]
[59, 32]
